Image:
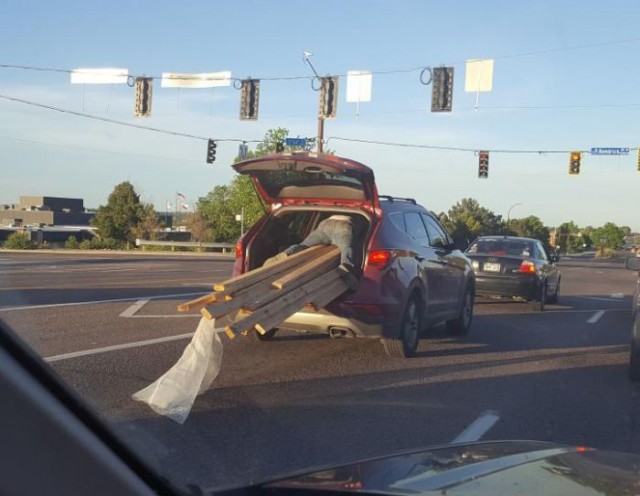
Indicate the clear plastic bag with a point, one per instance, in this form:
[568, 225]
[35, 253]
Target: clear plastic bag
[173, 394]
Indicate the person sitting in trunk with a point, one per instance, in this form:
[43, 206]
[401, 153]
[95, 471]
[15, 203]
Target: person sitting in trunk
[336, 230]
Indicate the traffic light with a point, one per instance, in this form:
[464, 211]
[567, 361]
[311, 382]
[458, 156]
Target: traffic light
[144, 87]
[574, 163]
[483, 165]
[638, 159]
[328, 97]
[211, 151]
[249, 99]
[442, 89]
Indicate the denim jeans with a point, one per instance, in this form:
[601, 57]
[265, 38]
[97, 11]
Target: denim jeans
[330, 232]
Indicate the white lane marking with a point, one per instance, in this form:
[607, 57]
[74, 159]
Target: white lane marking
[478, 428]
[116, 347]
[96, 302]
[617, 296]
[597, 298]
[595, 317]
[125, 346]
[131, 311]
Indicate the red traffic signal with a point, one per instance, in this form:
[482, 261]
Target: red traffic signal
[483, 165]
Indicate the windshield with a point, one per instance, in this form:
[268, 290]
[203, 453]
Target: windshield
[520, 248]
[314, 332]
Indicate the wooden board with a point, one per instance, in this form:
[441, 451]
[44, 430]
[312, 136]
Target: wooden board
[243, 298]
[198, 302]
[329, 293]
[260, 274]
[309, 270]
[284, 306]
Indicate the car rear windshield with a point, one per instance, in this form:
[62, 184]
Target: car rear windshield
[305, 184]
[515, 247]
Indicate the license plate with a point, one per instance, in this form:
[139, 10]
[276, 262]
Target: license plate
[491, 267]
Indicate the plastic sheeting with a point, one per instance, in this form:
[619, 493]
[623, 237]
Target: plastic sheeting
[173, 394]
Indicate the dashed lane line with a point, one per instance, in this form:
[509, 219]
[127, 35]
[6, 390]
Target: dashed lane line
[595, 317]
[130, 313]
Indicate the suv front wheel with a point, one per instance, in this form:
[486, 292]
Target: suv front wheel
[406, 344]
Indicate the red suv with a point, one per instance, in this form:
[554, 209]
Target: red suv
[411, 275]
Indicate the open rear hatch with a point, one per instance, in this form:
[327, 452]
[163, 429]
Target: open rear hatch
[289, 179]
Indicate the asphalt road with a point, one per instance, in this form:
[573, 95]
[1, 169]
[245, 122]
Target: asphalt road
[303, 400]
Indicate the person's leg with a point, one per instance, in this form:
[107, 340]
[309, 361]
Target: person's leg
[342, 237]
[315, 238]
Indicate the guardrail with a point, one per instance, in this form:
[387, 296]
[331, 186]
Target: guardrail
[224, 247]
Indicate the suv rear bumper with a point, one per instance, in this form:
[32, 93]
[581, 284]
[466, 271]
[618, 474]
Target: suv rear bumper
[325, 322]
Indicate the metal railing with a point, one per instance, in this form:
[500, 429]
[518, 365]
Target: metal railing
[226, 248]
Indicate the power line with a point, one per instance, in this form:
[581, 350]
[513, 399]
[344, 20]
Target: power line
[120, 123]
[83, 148]
[457, 149]
[378, 72]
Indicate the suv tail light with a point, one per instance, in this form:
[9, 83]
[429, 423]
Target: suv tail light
[527, 267]
[379, 258]
[239, 249]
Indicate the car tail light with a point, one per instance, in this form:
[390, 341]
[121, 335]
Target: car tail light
[379, 258]
[239, 249]
[527, 267]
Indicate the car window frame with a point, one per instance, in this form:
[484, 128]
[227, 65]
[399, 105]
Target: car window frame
[428, 220]
[426, 233]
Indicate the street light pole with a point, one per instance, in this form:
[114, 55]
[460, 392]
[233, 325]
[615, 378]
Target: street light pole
[320, 119]
[510, 208]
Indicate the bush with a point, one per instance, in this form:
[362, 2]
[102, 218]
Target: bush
[72, 243]
[604, 252]
[85, 244]
[19, 241]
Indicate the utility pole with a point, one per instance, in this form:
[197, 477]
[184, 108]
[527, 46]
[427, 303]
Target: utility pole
[320, 119]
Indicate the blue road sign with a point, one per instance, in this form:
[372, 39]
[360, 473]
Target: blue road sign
[609, 151]
[295, 142]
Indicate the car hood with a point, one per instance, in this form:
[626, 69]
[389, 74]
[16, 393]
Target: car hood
[491, 468]
[285, 179]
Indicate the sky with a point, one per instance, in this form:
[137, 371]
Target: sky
[566, 77]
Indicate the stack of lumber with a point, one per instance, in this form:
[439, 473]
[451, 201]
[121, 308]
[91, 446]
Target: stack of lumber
[263, 298]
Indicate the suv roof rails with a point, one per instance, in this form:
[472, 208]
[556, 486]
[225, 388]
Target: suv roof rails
[395, 198]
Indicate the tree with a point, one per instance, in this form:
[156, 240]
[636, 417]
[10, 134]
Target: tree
[529, 227]
[199, 227]
[608, 236]
[124, 216]
[467, 220]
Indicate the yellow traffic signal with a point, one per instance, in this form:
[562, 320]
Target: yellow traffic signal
[574, 163]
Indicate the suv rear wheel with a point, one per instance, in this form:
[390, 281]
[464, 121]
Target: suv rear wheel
[460, 326]
[406, 344]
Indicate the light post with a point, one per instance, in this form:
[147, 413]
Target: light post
[509, 211]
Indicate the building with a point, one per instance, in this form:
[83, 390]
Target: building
[45, 211]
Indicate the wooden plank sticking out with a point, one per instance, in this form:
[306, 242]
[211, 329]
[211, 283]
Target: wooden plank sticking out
[198, 302]
[260, 274]
[329, 293]
[286, 305]
[243, 298]
[334, 287]
[309, 270]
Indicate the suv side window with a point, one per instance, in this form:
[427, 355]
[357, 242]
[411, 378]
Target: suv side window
[398, 220]
[437, 237]
[415, 228]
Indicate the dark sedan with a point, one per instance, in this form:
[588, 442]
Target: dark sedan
[514, 267]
